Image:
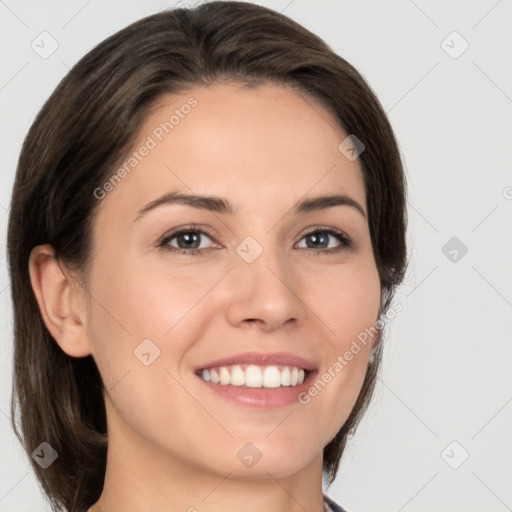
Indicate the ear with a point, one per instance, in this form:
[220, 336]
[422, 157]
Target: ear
[62, 305]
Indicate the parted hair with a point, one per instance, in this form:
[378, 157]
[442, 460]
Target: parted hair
[85, 130]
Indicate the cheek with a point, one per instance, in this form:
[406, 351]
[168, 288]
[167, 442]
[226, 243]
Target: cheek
[138, 317]
[141, 309]
[345, 298]
[348, 301]
[147, 301]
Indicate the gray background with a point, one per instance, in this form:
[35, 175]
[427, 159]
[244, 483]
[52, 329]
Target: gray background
[446, 374]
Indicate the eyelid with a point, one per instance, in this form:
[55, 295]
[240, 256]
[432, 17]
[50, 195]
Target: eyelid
[322, 227]
[187, 227]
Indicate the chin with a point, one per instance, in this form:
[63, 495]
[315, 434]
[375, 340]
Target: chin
[251, 462]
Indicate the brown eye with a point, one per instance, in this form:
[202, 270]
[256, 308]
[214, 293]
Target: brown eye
[185, 241]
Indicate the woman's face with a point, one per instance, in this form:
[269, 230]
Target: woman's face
[267, 281]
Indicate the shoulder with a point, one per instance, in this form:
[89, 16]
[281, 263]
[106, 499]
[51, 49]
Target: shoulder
[332, 506]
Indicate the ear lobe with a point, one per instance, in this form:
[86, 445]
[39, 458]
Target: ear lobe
[61, 305]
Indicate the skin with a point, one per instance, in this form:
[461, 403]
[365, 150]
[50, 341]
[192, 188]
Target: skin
[172, 443]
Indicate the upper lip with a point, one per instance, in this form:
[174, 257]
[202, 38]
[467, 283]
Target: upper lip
[260, 358]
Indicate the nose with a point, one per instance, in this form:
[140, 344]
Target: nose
[265, 293]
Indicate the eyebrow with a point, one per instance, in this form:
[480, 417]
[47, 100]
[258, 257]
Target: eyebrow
[222, 206]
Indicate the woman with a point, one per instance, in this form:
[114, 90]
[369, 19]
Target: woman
[206, 231]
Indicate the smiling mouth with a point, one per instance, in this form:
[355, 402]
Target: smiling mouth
[255, 376]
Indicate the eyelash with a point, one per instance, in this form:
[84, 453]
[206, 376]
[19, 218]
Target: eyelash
[346, 241]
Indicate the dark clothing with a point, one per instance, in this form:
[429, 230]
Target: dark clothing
[331, 506]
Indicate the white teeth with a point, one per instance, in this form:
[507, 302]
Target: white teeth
[237, 376]
[254, 376]
[285, 376]
[271, 377]
[225, 377]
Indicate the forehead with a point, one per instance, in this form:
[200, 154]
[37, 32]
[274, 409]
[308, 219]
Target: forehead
[262, 147]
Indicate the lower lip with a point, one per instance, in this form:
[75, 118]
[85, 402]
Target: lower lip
[261, 398]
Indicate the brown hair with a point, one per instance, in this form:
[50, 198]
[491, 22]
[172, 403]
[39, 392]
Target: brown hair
[85, 130]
